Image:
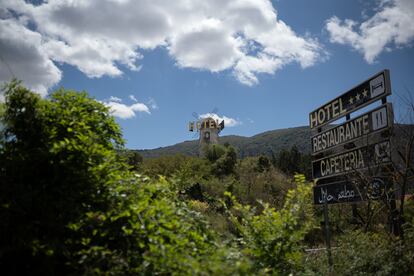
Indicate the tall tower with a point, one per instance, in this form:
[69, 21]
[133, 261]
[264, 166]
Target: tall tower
[209, 130]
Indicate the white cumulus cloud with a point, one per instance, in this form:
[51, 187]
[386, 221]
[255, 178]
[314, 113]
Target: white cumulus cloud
[391, 25]
[115, 99]
[124, 111]
[105, 37]
[228, 122]
[132, 97]
[22, 57]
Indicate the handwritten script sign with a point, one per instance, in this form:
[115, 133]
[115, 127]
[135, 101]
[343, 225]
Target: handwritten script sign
[339, 192]
[346, 191]
[361, 95]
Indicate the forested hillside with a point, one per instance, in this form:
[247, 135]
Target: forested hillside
[266, 143]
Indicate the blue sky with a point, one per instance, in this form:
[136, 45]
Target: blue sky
[263, 65]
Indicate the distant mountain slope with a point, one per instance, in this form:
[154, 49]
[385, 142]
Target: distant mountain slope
[263, 143]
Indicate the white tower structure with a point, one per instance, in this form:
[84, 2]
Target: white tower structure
[209, 130]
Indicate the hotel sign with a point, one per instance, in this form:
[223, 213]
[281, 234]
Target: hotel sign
[361, 95]
[206, 123]
[351, 160]
[371, 122]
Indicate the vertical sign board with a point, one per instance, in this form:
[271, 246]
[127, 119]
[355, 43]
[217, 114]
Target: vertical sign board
[356, 159]
[373, 89]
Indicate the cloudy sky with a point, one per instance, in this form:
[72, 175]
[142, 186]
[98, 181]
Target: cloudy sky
[257, 64]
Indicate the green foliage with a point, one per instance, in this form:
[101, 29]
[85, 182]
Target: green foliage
[273, 238]
[188, 169]
[165, 165]
[193, 170]
[291, 161]
[222, 158]
[132, 158]
[69, 205]
[270, 185]
[57, 158]
[288, 160]
[225, 165]
[264, 143]
[148, 232]
[359, 253]
[263, 164]
[213, 152]
[74, 201]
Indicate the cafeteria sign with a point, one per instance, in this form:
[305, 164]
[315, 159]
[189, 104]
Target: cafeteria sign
[370, 156]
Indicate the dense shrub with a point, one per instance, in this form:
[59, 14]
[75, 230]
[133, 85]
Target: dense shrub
[68, 203]
[150, 232]
[57, 161]
[360, 253]
[273, 239]
[165, 165]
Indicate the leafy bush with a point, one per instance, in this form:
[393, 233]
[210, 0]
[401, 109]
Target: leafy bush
[360, 253]
[147, 232]
[273, 238]
[193, 170]
[57, 159]
[69, 205]
[269, 186]
[225, 165]
[165, 165]
[213, 152]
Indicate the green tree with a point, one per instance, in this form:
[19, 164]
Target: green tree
[69, 205]
[225, 165]
[214, 152]
[150, 232]
[57, 159]
[290, 161]
[273, 237]
[263, 163]
[133, 158]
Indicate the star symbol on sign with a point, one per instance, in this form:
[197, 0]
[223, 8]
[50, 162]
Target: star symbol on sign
[357, 96]
[351, 100]
[365, 93]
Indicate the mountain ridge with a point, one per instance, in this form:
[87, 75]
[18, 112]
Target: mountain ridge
[265, 143]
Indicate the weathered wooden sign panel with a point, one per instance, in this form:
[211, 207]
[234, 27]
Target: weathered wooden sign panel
[355, 159]
[363, 94]
[347, 191]
[371, 122]
[339, 192]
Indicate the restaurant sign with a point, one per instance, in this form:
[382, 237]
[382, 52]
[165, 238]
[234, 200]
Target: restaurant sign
[373, 121]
